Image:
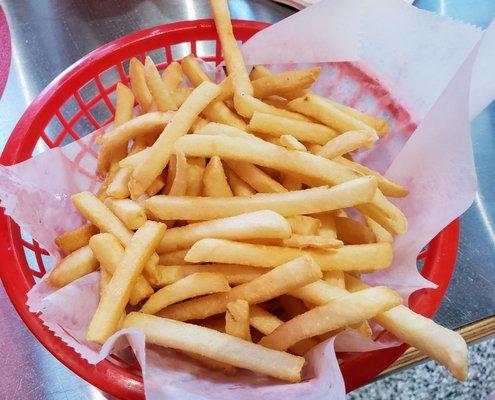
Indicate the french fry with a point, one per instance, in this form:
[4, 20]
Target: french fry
[304, 225]
[381, 234]
[255, 177]
[351, 231]
[266, 323]
[179, 183]
[232, 54]
[173, 77]
[278, 281]
[170, 178]
[157, 185]
[214, 180]
[159, 154]
[328, 227]
[129, 212]
[358, 257]
[109, 252]
[161, 94]
[259, 71]
[246, 106]
[347, 142]
[195, 171]
[77, 264]
[309, 201]
[118, 188]
[237, 185]
[139, 86]
[209, 362]
[135, 159]
[173, 258]
[237, 319]
[443, 345]
[283, 82]
[341, 312]
[291, 143]
[215, 128]
[379, 125]
[116, 295]
[197, 284]
[226, 89]
[216, 345]
[311, 241]
[387, 187]
[217, 111]
[335, 278]
[317, 107]
[235, 274]
[258, 224]
[76, 238]
[104, 279]
[290, 182]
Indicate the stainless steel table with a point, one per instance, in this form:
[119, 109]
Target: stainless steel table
[49, 35]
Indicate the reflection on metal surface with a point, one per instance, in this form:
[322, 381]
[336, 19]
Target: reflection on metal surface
[49, 35]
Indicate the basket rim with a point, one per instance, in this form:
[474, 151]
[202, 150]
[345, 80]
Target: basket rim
[105, 375]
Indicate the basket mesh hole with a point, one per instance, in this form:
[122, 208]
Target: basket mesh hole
[125, 66]
[101, 112]
[69, 108]
[205, 48]
[82, 126]
[158, 56]
[53, 128]
[89, 91]
[110, 77]
[179, 51]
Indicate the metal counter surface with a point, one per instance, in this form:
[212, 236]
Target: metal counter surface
[49, 35]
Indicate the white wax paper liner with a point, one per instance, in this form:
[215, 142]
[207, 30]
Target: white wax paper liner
[436, 164]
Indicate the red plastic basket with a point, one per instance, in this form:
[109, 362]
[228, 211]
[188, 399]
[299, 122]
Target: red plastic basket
[81, 100]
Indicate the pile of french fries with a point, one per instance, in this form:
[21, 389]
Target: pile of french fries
[221, 228]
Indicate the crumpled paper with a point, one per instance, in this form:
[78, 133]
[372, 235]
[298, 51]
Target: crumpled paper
[424, 62]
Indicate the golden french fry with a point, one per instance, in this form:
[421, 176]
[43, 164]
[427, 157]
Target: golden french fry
[259, 71]
[226, 89]
[304, 225]
[381, 234]
[247, 105]
[235, 274]
[161, 94]
[171, 170]
[237, 319]
[347, 142]
[237, 185]
[257, 224]
[291, 143]
[76, 238]
[317, 107]
[379, 125]
[214, 180]
[197, 284]
[217, 111]
[159, 154]
[347, 258]
[308, 201]
[173, 77]
[351, 231]
[266, 323]
[335, 278]
[311, 241]
[232, 54]
[118, 188]
[279, 102]
[134, 159]
[138, 85]
[180, 176]
[129, 212]
[443, 345]
[282, 82]
[116, 296]
[387, 187]
[340, 312]
[77, 264]
[174, 258]
[195, 171]
[104, 279]
[215, 128]
[209, 362]
[255, 177]
[157, 185]
[328, 227]
[217, 346]
[278, 281]
[109, 252]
